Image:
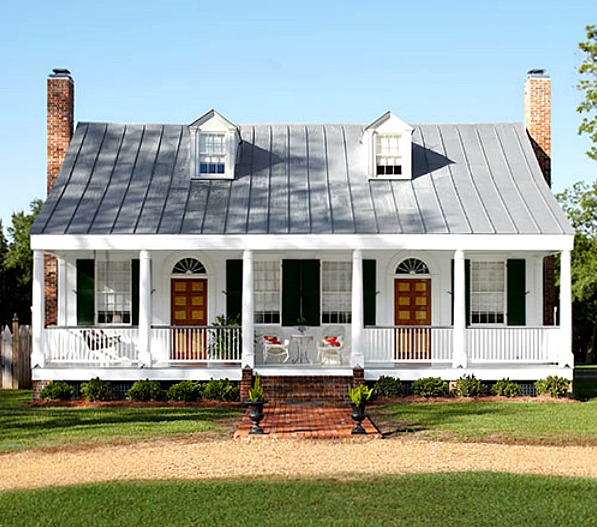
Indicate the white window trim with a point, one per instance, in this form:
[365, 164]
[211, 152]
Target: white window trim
[503, 262]
[230, 158]
[279, 291]
[98, 292]
[322, 292]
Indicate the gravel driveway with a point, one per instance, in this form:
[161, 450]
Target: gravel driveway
[284, 458]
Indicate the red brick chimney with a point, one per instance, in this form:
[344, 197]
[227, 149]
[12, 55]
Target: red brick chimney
[61, 109]
[537, 120]
[537, 117]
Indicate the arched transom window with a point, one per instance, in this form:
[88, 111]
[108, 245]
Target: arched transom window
[188, 266]
[412, 266]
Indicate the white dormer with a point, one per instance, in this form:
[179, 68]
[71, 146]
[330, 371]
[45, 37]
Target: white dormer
[214, 146]
[390, 148]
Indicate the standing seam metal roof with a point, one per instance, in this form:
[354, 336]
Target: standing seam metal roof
[300, 179]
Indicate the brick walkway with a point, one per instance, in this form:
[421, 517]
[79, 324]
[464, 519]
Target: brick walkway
[305, 421]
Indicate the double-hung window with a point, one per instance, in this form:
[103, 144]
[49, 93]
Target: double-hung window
[336, 292]
[388, 161]
[212, 153]
[266, 280]
[488, 292]
[114, 298]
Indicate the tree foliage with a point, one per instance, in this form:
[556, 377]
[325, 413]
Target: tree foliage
[580, 204]
[16, 266]
[588, 85]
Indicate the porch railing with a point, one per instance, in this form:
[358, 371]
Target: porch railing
[512, 344]
[407, 344]
[198, 343]
[91, 345]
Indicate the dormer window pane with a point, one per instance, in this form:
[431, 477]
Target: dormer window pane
[212, 153]
[387, 155]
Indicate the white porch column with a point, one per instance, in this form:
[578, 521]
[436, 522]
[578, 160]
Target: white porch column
[566, 357]
[144, 309]
[61, 319]
[357, 357]
[248, 326]
[38, 311]
[459, 359]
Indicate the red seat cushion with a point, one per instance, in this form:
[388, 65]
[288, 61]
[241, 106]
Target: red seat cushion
[272, 340]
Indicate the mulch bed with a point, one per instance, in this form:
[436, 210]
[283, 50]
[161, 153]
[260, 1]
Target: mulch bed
[409, 399]
[204, 403]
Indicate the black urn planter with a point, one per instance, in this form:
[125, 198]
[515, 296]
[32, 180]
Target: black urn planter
[358, 415]
[255, 415]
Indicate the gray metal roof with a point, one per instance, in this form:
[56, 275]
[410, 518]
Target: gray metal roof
[303, 179]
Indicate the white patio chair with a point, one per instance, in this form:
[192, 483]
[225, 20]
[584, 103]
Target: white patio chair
[275, 347]
[330, 349]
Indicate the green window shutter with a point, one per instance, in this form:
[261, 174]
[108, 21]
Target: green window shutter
[135, 292]
[301, 292]
[310, 286]
[369, 291]
[234, 288]
[291, 291]
[85, 292]
[516, 271]
[467, 290]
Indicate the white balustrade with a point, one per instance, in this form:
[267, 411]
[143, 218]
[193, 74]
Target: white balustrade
[512, 344]
[106, 346]
[182, 344]
[407, 344]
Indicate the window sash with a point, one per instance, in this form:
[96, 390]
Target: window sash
[488, 292]
[336, 292]
[113, 292]
[266, 292]
[212, 153]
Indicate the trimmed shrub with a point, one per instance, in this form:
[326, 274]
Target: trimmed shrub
[58, 390]
[388, 387]
[185, 391]
[430, 387]
[469, 386]
[553, 385]
[221, 390]
[506, 388]
[146, 391]
[97, 390]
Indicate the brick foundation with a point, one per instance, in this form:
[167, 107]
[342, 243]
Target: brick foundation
[38, 386]
[329, 389]
[245, 383]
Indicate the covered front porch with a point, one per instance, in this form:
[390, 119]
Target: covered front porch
[402, 311]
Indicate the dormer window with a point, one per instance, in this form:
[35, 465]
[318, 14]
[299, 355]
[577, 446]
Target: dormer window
[212, 153]
[387, 155]
[214, 145]
[390, 147]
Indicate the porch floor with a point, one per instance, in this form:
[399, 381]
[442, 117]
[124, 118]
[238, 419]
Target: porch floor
[305, 421]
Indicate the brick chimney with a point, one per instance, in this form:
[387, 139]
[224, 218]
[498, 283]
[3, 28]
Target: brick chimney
[61, 110]
[537, 120]
[537, 117]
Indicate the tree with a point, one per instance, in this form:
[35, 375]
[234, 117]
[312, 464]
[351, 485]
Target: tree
[17, 267]
[580, 204]
[588, 85]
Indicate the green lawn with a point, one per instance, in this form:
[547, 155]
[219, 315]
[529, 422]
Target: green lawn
[461, 499]
[24, 427]
[512, 422]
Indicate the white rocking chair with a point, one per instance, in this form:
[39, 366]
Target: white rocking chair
[330, 349]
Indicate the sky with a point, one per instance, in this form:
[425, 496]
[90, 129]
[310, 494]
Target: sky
[325, 61]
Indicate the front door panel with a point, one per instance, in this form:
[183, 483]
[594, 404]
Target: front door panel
[189, 308]
[412, 307]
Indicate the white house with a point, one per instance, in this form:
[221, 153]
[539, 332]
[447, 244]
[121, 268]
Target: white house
[426, 249]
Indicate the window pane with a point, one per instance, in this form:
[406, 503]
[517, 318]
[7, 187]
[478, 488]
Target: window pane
[488, 295]
[114, 298]
[336, 289]
[266, 284]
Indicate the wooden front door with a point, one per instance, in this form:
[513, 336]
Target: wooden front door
[412, 307]
[189, 309]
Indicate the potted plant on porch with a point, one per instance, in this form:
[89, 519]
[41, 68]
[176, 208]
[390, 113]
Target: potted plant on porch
[255, 404]
[359, 396]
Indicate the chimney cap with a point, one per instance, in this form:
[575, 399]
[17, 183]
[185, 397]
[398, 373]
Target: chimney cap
[60, 72]
[537, 73]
